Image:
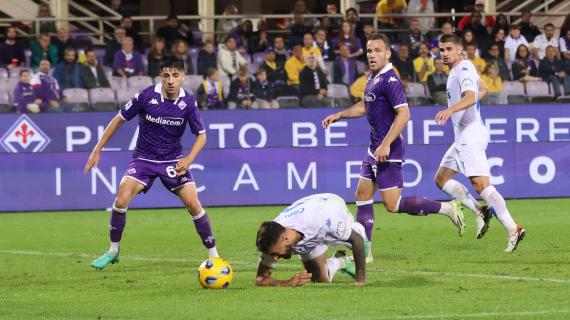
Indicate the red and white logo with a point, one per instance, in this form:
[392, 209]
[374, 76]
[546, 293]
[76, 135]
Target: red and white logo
[24, 136]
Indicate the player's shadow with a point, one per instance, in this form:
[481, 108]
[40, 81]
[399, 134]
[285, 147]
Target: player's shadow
[412, 281]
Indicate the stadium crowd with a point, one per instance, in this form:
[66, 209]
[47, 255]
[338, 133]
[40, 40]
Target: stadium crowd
[315, 63]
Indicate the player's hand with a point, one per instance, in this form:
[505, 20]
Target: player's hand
[182, 166]
[382, 153]
[92, 162]
[300, 279]
[442, 116]
[330, 119]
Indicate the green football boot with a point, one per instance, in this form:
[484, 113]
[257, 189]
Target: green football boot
[107, 258]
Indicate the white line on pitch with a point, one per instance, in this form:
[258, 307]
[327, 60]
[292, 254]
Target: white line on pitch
[237, 262]
[476, 315]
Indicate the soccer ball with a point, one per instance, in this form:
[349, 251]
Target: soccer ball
[215, 273]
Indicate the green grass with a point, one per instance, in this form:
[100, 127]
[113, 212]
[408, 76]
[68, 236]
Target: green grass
[421, 269]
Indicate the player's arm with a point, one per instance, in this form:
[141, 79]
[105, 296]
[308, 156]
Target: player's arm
[112, 127]
[183, 164]
[264, 278]
[402, 117]
[468, 99]
[356, 111]
[357, 243]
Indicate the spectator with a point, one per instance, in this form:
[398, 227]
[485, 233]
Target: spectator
[114, 45]
[445, 29]
[308, 49]
[335, 22]
[118, 7]
[437, 83]
[300, 9]
[347, 37]
[91, 73]
[229, 59]
[325, 23]
[367, 31]
[12, 51]
[128, 62]
[243, 35]
[527, 28]
[478, 29]
[358, 87]
[24, 99]
[512, 43]
[468, 38]
[210, 92]
[385, 7]
[298, 29]
[44, 26]
[324, 45]
[131, 31]
[423, 65]
[281, 53]
[494, 57]
[294, 65]
[498, 38]
[543, 41]
[62, 42]
[494, 85]
[422, 6]
[43, 49]
[241, 92]
[479, 7]
[264, 91]
[551, 70]
[67, 71]
[501, 23]
[344, 68]
[565, 45]
[207, 59]
[47, 90]
[260, 39]
[524, 68]
[313, 85]
[404, 63]
[354, 20]
[156, 53]
[181, 51]
[479, 63]
[171, 32]
[226, 25]
[414, 38]
[565, 25]
[275, 71]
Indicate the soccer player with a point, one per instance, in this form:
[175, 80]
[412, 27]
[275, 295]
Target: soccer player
[467, 154]
[308, 227]
[386, 109]
[164, 110]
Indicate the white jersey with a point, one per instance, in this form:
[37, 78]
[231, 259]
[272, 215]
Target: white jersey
[467, 124]
[323, 219]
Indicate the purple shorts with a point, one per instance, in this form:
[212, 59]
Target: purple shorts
[145, 172]
[387, 175]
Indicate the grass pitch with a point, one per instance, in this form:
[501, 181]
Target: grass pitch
[421, 269]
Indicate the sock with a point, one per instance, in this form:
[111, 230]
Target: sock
[213, 253]
[365, 216]
[458, 191]
[202, 224]
[494, 199]
[417, 206]
[333, 265]
[116, 227]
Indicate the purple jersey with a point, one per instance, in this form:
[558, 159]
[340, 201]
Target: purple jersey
[162, 122]
[384, 94]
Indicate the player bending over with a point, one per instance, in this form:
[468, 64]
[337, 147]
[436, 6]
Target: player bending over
[164, 110]
[308, 227]
[467, 153]
[386, 108]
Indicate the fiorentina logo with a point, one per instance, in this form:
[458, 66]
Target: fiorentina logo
[24, 136]
[182, 105]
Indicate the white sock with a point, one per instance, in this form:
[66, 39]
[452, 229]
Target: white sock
[457, 190]
[213, 253]
[446, 208]
[114, 247]
[496, 200]
[333, 265]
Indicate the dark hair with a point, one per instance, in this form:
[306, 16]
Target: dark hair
[351, 9]
[380, 36]
[172, 16]
[24, 71]
[170, 62]
[548, 25]
[211, 71]
[268, 234]
[228, 39]
[515, 26]
[126, 17]
[450, 38]
[89, 50]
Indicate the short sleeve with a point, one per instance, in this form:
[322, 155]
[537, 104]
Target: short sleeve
[468, 80]
[133, 107]
[267, 260]
[194, 119]
[395, 93]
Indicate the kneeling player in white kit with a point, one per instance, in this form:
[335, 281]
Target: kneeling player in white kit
[467, 153]
[308, 227]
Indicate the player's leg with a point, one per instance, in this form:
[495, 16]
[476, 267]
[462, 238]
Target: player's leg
[364, 195]
[127, 190]
[321, 268]
[189, 197]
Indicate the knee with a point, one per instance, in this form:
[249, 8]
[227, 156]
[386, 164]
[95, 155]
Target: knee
[362, 195]
[440, 180]
[390, 205]
[479, 185]
[194, 207]
[121, 202]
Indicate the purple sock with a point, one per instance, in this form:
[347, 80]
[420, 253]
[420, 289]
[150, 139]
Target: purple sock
[204, 229]
[117, 224]
[418, 206]
[365, 216]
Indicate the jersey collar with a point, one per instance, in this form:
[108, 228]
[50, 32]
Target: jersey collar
[386, 68]
[158, 89]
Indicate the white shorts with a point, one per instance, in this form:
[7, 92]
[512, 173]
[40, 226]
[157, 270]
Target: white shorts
[470, 160]
[322, 248]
